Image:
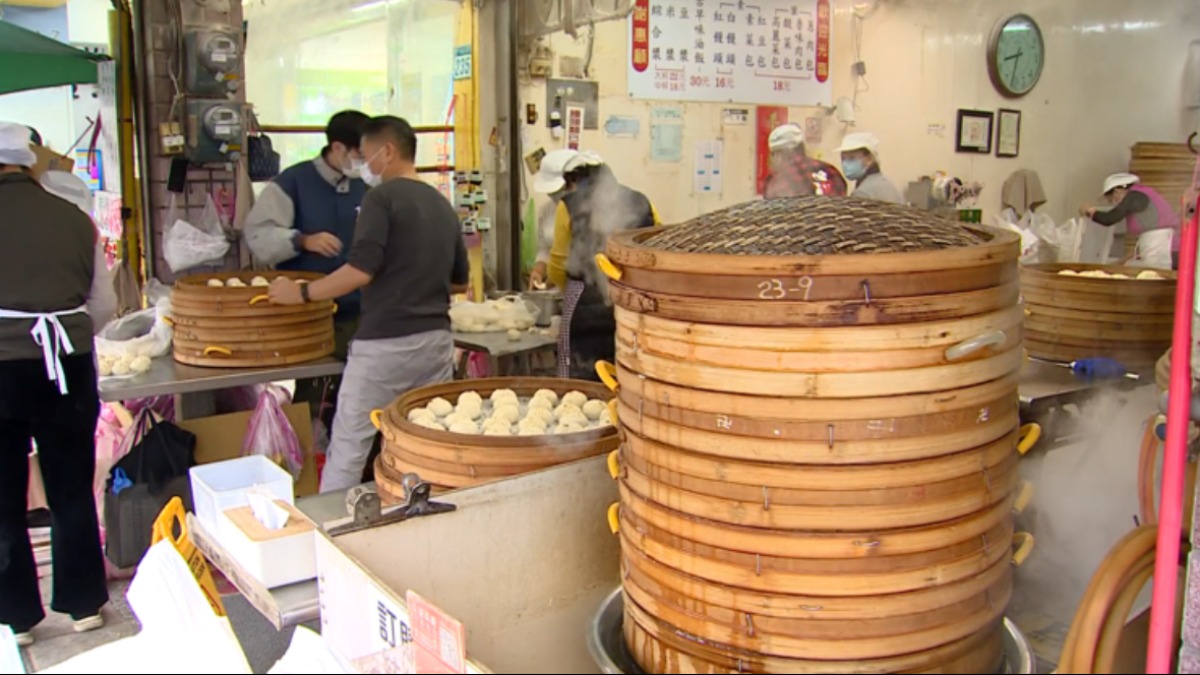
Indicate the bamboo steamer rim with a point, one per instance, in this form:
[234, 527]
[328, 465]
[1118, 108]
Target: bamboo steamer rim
[779, 313]
[825, 649]
[839, 452]
[237, 310]
[282, 359]
[772, 407]
[199, 282]
[402, 461]
[1101, 330]
[222, 322]
[663, 631]
[862, 585]
[829, 495]
[396, 414]
[1047, 311]
[815, 608]
[211, 336]
[640, 530]
[260, 346]
[1040, 297]
[824, 287]
[838, 545]
[813, 477]
[853, 338]
[813, 430]
[1046, 275]
[805, 385]
[770, 515]
[481, 452]
[629, 249]
[1098, 342]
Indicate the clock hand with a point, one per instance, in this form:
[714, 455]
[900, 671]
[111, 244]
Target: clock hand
[1017, 62]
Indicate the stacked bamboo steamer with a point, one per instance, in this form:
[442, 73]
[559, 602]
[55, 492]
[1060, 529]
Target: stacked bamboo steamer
[238, 327]
[818, 407]
[1076, 317]
[1166, 167]
[451, 461]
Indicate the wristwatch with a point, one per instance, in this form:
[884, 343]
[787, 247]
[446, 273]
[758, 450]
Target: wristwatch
[304, 293]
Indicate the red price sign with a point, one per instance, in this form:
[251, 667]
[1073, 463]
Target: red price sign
[640, 42]
[440, 642]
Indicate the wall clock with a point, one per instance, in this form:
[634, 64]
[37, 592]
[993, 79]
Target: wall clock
[1016, 56]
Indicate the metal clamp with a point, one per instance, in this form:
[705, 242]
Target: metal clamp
[366, 508]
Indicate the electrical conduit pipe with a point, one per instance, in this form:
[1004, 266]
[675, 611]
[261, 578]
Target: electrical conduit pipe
[1162, 612]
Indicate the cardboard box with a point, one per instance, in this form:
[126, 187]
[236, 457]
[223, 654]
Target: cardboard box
[220, 437]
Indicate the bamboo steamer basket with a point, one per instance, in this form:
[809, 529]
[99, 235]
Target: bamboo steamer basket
[239, 328]
[451, 461]
[819, 425]
[1071, 318]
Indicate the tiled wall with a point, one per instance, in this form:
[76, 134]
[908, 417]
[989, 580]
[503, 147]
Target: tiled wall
[158, 25]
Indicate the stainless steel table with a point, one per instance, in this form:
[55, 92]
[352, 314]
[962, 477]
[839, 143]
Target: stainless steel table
[1049, 392]
[499, 348]
[193, 386]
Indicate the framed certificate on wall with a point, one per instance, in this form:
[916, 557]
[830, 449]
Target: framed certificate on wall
[1008, 133]
[975, 131]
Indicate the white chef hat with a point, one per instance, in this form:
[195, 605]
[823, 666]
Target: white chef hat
[1120, 180]
[14, 145]
[861, 141]
[786, 137]
[582, 159]
[549, 178]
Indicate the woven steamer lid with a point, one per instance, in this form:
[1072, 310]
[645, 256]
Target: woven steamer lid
[815, 226]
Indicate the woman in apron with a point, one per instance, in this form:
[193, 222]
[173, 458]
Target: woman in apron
[1147, 215]
[48, 394]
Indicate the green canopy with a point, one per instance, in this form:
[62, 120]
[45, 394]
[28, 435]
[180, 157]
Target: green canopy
[30, 60]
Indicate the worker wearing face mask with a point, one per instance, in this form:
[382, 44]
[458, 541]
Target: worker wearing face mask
[304, 221]
[860, 162]
[552, 182]
[1147, 214]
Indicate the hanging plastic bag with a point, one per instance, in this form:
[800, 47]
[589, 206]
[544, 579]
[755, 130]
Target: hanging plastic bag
[271, 435]
[141, 334]
[1154, 250]
[187, 245]
[1030, 244]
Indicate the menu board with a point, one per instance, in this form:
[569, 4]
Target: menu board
[774, 52]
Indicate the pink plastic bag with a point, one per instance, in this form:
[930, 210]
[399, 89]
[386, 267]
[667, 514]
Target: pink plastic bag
[271, 435]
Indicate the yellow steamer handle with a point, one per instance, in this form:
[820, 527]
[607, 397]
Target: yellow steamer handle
[1030, 434]
[1023, 542]
[174, 518]
[608, 374]
[609, 268]
[614, 464]
[1024, 497]
[614, 518]
[377, 419]
[212, 350]
[259, 298]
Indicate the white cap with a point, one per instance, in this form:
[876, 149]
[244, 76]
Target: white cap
[70, 187]
[549, 178]
[14, 145]
[582, 159]
[1120, 180]
[861, 141]
[786, 137]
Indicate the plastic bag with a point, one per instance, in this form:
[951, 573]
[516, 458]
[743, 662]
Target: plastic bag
[125, 346]
[187, 245]
[508, 313]
[271, 435]
[1030, 244]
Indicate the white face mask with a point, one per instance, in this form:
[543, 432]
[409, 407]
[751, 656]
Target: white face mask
[368, 175]
[354, 170]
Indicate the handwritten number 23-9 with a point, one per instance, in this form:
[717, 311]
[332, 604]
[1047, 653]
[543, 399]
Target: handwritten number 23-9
[774, 289]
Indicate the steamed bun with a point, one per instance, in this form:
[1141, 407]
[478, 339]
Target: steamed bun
[594, 408]
[469, 408]
[235, 283]
[216, 283]
[541, 404]
[575, 398]
[568, 428]
[440, 407]
[606, 419]
[417, 414]
[547, 395]
[465, 427]
[508, 413]
[575, 417]
[528, 428]
[503, 395]
[140, 365]
[470, 397]
[565, 409]
[429, 423]
[260, 281]
[498, 430]
[543, 416]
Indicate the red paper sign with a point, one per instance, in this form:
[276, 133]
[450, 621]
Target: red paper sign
[439, 642]
[823, 30]
[768, 118]
[640, 40]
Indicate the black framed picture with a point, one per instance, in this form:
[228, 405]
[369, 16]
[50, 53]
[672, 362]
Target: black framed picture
[975, 131]
[1008, 133]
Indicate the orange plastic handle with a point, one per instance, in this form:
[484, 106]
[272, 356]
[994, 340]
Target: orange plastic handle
[614, 518]
[614, 464]
[609, 268]
[1030, 435]
[223, 351]
[259, 298]
[377, 418]
[608, 374]
[1023, 542]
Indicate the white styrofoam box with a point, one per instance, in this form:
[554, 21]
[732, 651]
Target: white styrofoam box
[225, 485]
[10, 654]
[274, 558]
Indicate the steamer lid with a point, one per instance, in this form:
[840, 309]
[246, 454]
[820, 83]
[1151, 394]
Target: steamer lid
[799, 226]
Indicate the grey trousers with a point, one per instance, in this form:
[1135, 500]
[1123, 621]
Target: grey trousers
[376, 373]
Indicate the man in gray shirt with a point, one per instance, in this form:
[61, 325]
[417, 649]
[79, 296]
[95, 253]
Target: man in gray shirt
[408, 257]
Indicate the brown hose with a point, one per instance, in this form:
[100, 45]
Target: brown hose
[1147, 463]
[1099, 622]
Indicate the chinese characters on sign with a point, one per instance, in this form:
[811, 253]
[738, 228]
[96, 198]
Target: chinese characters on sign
[440, 641]
[748, 51]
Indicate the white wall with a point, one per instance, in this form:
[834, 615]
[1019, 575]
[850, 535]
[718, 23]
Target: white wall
[1114, 76]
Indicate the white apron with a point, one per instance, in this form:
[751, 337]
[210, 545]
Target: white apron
[49, 334]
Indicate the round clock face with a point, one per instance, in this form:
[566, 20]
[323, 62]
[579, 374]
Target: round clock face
[1016, 56]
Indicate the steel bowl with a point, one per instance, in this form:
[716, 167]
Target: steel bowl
[549, 304]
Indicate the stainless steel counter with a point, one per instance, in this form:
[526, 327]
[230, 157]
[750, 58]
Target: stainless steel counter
[167, 377]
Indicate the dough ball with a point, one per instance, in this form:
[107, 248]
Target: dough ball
[569, 428]
[1068, 273]
[417, 414]
[235, 283]
[576, 418]
[470, 409]
[530, 428]
[440, 407]
[121, 368]
[503, 395]
[465, 427]
[105, 367]
[140, 365]
[429, 423]
[1150, 275]
[259, 281]
[566, 409]
[497, 430]
[543, 416]
[471, 397]
[508, 413]
[456, 417]
[1119, 276]
[514, 335]
[541, 404]
[216, 283]
[594, 408]
[547, 395]
[575, 398]
[606, 419]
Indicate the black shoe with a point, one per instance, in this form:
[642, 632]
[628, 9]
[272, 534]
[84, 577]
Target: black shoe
[38, 518]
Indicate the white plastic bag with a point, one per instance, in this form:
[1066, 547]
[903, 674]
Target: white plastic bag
[1154, 250]
[1030, 244]
[144, 333]
[187, 245]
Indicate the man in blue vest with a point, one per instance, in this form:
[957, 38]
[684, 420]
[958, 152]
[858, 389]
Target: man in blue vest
[304, 221]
